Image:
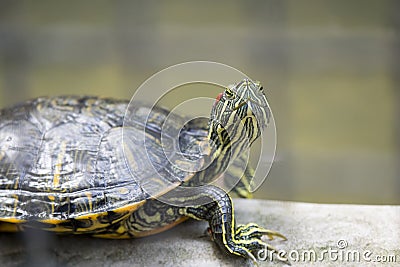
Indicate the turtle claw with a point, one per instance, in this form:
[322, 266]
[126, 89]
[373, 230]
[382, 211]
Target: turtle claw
[248, 241]
[253, 230]
[272, 234]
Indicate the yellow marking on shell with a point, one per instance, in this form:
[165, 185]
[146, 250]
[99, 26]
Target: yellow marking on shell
[120, 233]
[15, 205]
[12, 220]
[96, 224]
[90, 216]
[16, 183]
[2, 154]
[130, 208]
[9, 227]
[52, 199]
[57, 228]
[127, 208]
[57, 171]
[89, 197]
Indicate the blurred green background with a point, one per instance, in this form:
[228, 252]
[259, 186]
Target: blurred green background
[331, 68]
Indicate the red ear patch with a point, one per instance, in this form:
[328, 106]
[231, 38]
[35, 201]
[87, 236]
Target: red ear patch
[218, 97]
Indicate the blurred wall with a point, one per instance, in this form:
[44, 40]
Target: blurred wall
[331, 71]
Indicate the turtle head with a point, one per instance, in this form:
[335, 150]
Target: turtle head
[238, 116]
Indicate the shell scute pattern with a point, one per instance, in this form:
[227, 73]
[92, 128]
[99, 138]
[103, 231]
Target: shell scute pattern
[61, 159]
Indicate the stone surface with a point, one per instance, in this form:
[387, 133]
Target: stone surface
[336, 233]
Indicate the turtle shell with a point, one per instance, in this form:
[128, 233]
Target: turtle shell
[62, 159]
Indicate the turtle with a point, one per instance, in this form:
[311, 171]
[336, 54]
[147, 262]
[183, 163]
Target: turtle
[64, 168]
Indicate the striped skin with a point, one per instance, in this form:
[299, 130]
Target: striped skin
[237, 120]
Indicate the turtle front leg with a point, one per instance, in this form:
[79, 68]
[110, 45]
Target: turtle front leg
[244, 240]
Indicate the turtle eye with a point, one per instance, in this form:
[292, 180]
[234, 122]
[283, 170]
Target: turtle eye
[258, 84]
[229, 94]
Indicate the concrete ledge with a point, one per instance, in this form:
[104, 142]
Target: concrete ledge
[331, 231]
